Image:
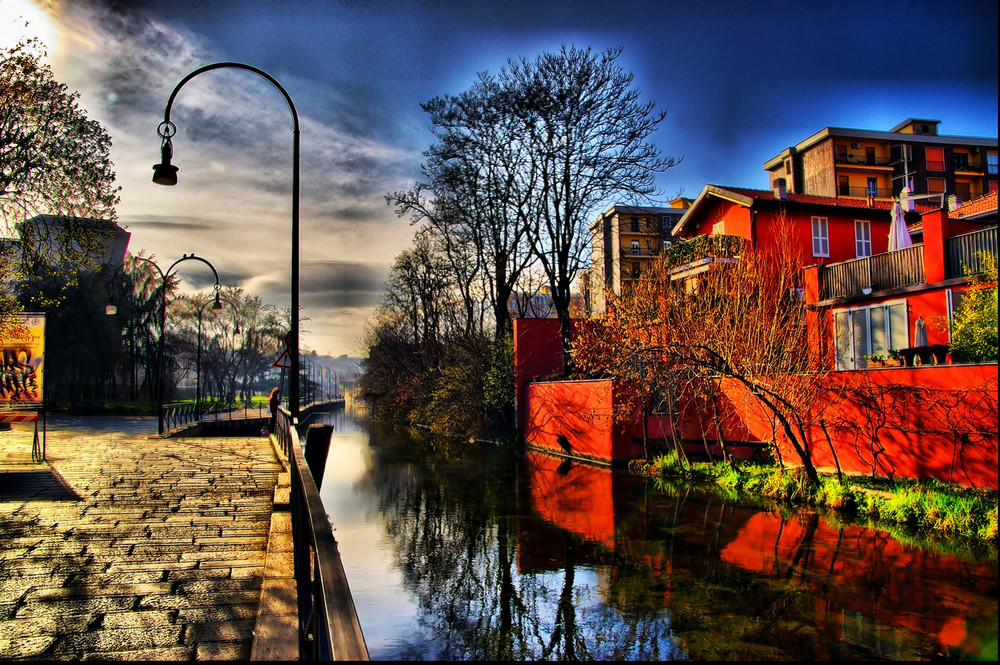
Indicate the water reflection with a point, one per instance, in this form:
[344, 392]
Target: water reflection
[467, 553]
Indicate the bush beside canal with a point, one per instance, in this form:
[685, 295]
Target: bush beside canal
[927, 505]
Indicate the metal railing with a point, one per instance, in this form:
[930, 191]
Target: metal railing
[903, 267]
[328, 622]
[875, 192]
[178, 414]
[964, 250]
[863, 160]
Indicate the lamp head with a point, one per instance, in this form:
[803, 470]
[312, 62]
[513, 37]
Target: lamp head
[110, 310]
[165, 173]
[216, 304]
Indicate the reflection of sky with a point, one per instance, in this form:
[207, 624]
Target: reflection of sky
[386, 611]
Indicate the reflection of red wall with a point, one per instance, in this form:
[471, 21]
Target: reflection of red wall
[892, 578]
[577, 497]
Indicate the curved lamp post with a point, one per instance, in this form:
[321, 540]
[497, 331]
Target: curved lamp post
[111, 309]
[165, 173]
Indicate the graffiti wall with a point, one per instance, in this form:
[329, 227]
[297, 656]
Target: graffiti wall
[22, 350]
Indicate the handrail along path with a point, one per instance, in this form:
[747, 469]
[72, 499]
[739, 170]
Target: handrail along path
[328, 622]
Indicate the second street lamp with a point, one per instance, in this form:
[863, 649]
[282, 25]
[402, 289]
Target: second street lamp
[164, 276]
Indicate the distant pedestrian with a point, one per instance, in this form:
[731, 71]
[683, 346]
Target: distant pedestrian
[272, 404]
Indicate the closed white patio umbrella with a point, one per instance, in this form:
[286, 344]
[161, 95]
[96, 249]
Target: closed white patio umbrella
[899, 235]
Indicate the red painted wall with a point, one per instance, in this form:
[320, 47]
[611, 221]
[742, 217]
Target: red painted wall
[944, 427]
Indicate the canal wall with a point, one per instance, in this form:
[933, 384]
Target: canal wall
[935, 421]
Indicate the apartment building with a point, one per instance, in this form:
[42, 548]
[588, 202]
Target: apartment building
[860, 163]
[623, 240]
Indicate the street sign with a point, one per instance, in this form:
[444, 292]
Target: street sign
[284, 361]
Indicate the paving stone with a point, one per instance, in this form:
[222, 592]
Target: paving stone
[226, 631]
[147, 619]
[216, 614]
[25, 647]
[164, 654]
[223, 651]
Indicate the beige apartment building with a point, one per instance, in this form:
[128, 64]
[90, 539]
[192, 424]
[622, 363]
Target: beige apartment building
[861, 163]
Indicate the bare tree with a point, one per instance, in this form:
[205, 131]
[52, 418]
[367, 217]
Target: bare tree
[737, 323]
[588, 139]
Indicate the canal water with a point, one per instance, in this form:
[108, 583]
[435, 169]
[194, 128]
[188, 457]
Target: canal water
[469, 553]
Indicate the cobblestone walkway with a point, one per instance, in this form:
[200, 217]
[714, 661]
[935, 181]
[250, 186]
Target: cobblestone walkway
[131, 547]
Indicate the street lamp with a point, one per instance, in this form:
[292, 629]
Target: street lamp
[165, 173]
[111, 309]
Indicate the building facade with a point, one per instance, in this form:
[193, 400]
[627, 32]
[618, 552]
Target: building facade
[623, 240]
[859, 163]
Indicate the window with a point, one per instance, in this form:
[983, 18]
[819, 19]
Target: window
[954, 307]
[906, 152]
[634, 224]
[872, 187]
[935, 159]
[991, 162]
[843, 185]
[868, 330]
[788, 166]
[666, 244]
[870, 156]
[862, 238]
[961, 161]
[635, 271]
[820, 237]
[935, 185]
[719, 228]
[635, 246]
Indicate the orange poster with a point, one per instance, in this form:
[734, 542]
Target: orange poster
[22, 349]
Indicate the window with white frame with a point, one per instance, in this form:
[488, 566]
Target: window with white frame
[991, 162]
[820, 236]
[635, 246]
[862, 238]
[874, 329]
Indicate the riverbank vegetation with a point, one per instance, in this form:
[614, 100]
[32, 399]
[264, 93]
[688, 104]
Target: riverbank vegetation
[928, 506]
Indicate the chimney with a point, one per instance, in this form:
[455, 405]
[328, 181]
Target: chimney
[954, 202]
[779, 189]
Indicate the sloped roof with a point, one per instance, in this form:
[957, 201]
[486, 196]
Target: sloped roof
[976, 207]
[756, 197]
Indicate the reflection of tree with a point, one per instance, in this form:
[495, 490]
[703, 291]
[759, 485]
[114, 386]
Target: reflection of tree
[456, 545]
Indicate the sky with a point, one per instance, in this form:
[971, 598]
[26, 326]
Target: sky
[739, 80]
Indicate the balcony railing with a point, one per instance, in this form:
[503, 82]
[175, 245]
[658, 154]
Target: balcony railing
[862, 160]
[964, 251]
[904, 267]
[877, 192]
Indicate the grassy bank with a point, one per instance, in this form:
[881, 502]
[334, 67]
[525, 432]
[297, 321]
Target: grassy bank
[929, 506]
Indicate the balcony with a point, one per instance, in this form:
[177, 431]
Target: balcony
[963, 251]
[639, 252]
[881, 272]
[696, 255]
[863, 160]
[877, 192]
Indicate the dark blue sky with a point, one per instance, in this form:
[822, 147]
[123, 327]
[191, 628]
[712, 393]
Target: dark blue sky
[740, 81]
